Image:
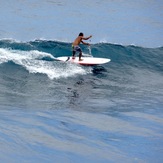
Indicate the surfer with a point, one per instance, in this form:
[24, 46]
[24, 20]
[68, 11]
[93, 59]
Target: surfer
[76, 47]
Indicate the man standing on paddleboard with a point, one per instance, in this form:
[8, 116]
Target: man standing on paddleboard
[75, 45]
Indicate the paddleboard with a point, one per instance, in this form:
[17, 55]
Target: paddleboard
[87, 61]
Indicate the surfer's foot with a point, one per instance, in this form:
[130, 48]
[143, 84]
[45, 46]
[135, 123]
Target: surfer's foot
[80, 59]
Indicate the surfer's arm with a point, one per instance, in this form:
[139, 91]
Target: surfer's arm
[86, 38]
[85, 43]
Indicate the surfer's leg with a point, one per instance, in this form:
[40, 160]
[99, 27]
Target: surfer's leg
[73, 54]
[80, 55]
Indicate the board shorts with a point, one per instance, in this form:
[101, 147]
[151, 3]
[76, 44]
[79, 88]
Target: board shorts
[76, 48]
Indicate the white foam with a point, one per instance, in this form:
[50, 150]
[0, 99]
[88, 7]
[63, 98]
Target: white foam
[31, 61]
[104, 40]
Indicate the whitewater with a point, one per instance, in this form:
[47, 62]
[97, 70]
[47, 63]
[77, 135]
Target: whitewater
[53, 111]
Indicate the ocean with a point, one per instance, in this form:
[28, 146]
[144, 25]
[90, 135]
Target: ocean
[53, 111]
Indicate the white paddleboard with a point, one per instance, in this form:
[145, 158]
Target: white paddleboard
[87, 61]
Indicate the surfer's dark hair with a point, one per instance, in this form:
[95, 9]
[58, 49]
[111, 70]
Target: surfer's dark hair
[81, 34]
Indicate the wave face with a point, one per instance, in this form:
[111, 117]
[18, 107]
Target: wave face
[132, 68]
[35, 55]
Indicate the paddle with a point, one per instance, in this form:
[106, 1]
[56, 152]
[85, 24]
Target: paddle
[90, 53]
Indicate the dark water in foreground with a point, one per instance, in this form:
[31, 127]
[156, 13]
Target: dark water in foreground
[62, 112]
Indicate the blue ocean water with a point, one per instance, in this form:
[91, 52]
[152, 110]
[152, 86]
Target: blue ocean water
[52, 111]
